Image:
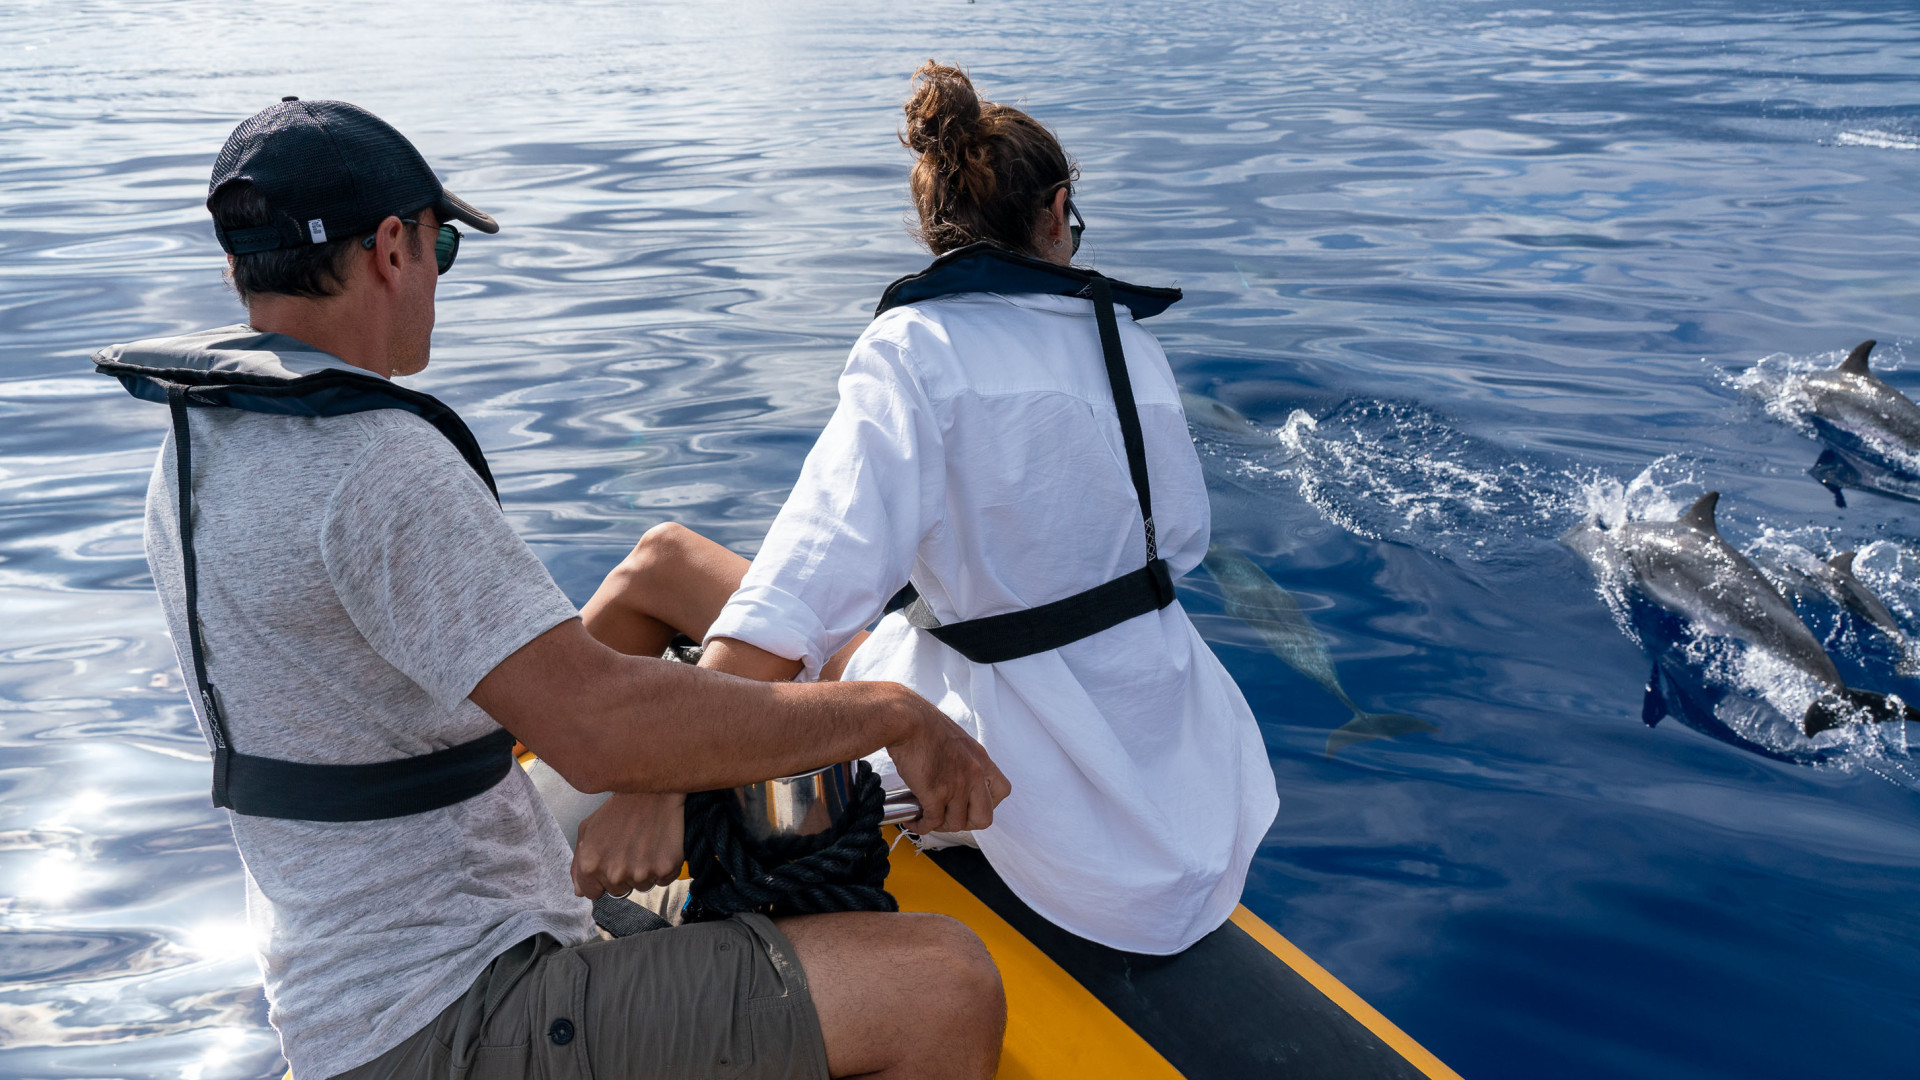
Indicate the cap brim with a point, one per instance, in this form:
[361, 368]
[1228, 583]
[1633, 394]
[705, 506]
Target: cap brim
[453, 206]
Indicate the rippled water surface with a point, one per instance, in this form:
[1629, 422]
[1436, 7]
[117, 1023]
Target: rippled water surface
[1471, 270]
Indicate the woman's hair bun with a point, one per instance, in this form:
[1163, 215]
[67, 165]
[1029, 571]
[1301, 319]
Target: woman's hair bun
[985, 172]
[943, 115]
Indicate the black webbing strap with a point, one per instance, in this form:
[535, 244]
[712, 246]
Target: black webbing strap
[209, 702]
[303, 791]
[621, 917]
[1014, 634]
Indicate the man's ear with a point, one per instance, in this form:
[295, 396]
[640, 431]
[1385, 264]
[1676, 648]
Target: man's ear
[388, 259]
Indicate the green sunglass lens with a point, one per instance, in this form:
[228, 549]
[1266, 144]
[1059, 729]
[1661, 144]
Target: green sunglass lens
[446, 246]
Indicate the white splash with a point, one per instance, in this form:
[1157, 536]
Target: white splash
[1879, 140]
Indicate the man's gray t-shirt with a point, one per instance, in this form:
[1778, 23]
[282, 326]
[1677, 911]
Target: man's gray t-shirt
[356, 581]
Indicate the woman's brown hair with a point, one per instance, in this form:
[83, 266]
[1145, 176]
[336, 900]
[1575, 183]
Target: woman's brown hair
[986, 171]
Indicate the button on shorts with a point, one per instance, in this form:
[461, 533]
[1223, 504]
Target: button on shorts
[715, 1001]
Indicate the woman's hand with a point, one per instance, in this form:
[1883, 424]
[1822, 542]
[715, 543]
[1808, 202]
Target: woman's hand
[953, 779]
[631, 842]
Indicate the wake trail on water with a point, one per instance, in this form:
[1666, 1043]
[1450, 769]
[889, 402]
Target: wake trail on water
[1397, 472]
[1878, 140]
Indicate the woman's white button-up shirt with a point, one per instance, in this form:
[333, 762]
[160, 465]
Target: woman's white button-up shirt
[976, 450]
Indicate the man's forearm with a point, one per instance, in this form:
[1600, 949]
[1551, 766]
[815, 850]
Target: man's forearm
[607, 721]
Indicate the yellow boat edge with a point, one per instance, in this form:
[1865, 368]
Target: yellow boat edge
[1056, 1028]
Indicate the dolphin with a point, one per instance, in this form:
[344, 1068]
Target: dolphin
[1836, 470]
[1835, 579]
[1858, 414]
[1687, 568]
[1259, 601]
[1223, 421]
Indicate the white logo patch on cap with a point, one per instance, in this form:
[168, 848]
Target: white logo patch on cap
[317, 230]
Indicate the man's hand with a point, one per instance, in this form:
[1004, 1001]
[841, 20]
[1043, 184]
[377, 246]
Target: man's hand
[955, 781]
[631, 842]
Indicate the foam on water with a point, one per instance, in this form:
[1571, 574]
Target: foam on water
[1879, 140]
[1394, 471]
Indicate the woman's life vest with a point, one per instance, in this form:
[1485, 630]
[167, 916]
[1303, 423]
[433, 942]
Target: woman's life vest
[986, 267]
[240, 368]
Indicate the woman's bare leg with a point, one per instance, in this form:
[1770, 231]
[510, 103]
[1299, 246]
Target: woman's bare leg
[674, 581]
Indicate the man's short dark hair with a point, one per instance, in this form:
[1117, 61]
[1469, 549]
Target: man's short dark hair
[315, 270]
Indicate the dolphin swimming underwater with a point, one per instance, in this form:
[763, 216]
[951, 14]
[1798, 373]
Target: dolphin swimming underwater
[1223, 421]
[1835, 578]
[1687, 568]
[1259, 601]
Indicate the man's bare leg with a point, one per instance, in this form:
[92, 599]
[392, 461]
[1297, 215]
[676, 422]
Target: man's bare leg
[674, 581]
[898, 995]
[901, 995]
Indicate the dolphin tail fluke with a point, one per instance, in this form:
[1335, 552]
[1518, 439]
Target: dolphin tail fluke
[1834, 710]
[1379, 725]
[1653, 708]
[1830, 470]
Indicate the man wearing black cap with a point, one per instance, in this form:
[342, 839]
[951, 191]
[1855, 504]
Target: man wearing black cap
[360, 623]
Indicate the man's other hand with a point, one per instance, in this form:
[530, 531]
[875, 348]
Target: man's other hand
[631, 842]
[955, 781]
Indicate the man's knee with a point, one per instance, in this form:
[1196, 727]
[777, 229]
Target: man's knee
[965, 963]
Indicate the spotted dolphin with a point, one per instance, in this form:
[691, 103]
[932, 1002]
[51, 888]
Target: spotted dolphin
[1686, 567]
[1259, 601]
[1859, 414]
[1836, 579]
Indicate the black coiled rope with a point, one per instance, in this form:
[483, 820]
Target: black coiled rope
[842, 869]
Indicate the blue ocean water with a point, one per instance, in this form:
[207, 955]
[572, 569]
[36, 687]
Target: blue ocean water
[1472, 270]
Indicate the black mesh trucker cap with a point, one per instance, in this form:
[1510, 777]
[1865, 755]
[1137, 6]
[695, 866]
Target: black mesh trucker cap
[328, 170]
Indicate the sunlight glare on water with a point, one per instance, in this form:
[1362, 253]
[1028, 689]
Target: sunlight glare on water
[1465, 273]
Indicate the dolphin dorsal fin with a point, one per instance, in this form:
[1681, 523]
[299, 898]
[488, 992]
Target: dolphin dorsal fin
[1843, 562]
[1856, 361]
[1700, 514]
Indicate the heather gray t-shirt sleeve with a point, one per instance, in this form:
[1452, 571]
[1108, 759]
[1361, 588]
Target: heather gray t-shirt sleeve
[427, 566]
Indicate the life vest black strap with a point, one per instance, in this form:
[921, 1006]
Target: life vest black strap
[993, 639]
[1010, 636]
[306, 791]
[301, 791]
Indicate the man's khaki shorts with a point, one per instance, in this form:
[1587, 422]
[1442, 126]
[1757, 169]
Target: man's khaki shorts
[716, 1001]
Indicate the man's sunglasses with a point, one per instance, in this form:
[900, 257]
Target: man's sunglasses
[445, 246]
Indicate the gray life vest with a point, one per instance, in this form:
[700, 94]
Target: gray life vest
[236, 367]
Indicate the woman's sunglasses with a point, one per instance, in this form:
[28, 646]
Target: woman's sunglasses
[447, 244]
[1075, 228]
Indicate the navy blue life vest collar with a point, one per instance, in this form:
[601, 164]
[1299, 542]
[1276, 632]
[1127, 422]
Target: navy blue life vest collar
[289, 379]
[988, 267]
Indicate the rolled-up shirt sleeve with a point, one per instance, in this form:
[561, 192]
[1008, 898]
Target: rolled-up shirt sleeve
[872, 488]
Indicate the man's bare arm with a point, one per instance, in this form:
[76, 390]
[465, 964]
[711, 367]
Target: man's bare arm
[611, 722]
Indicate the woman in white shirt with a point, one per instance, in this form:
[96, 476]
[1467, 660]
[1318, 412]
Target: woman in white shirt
[980, 451]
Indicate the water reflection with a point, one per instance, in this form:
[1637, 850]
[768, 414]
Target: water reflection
[1484, 250]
